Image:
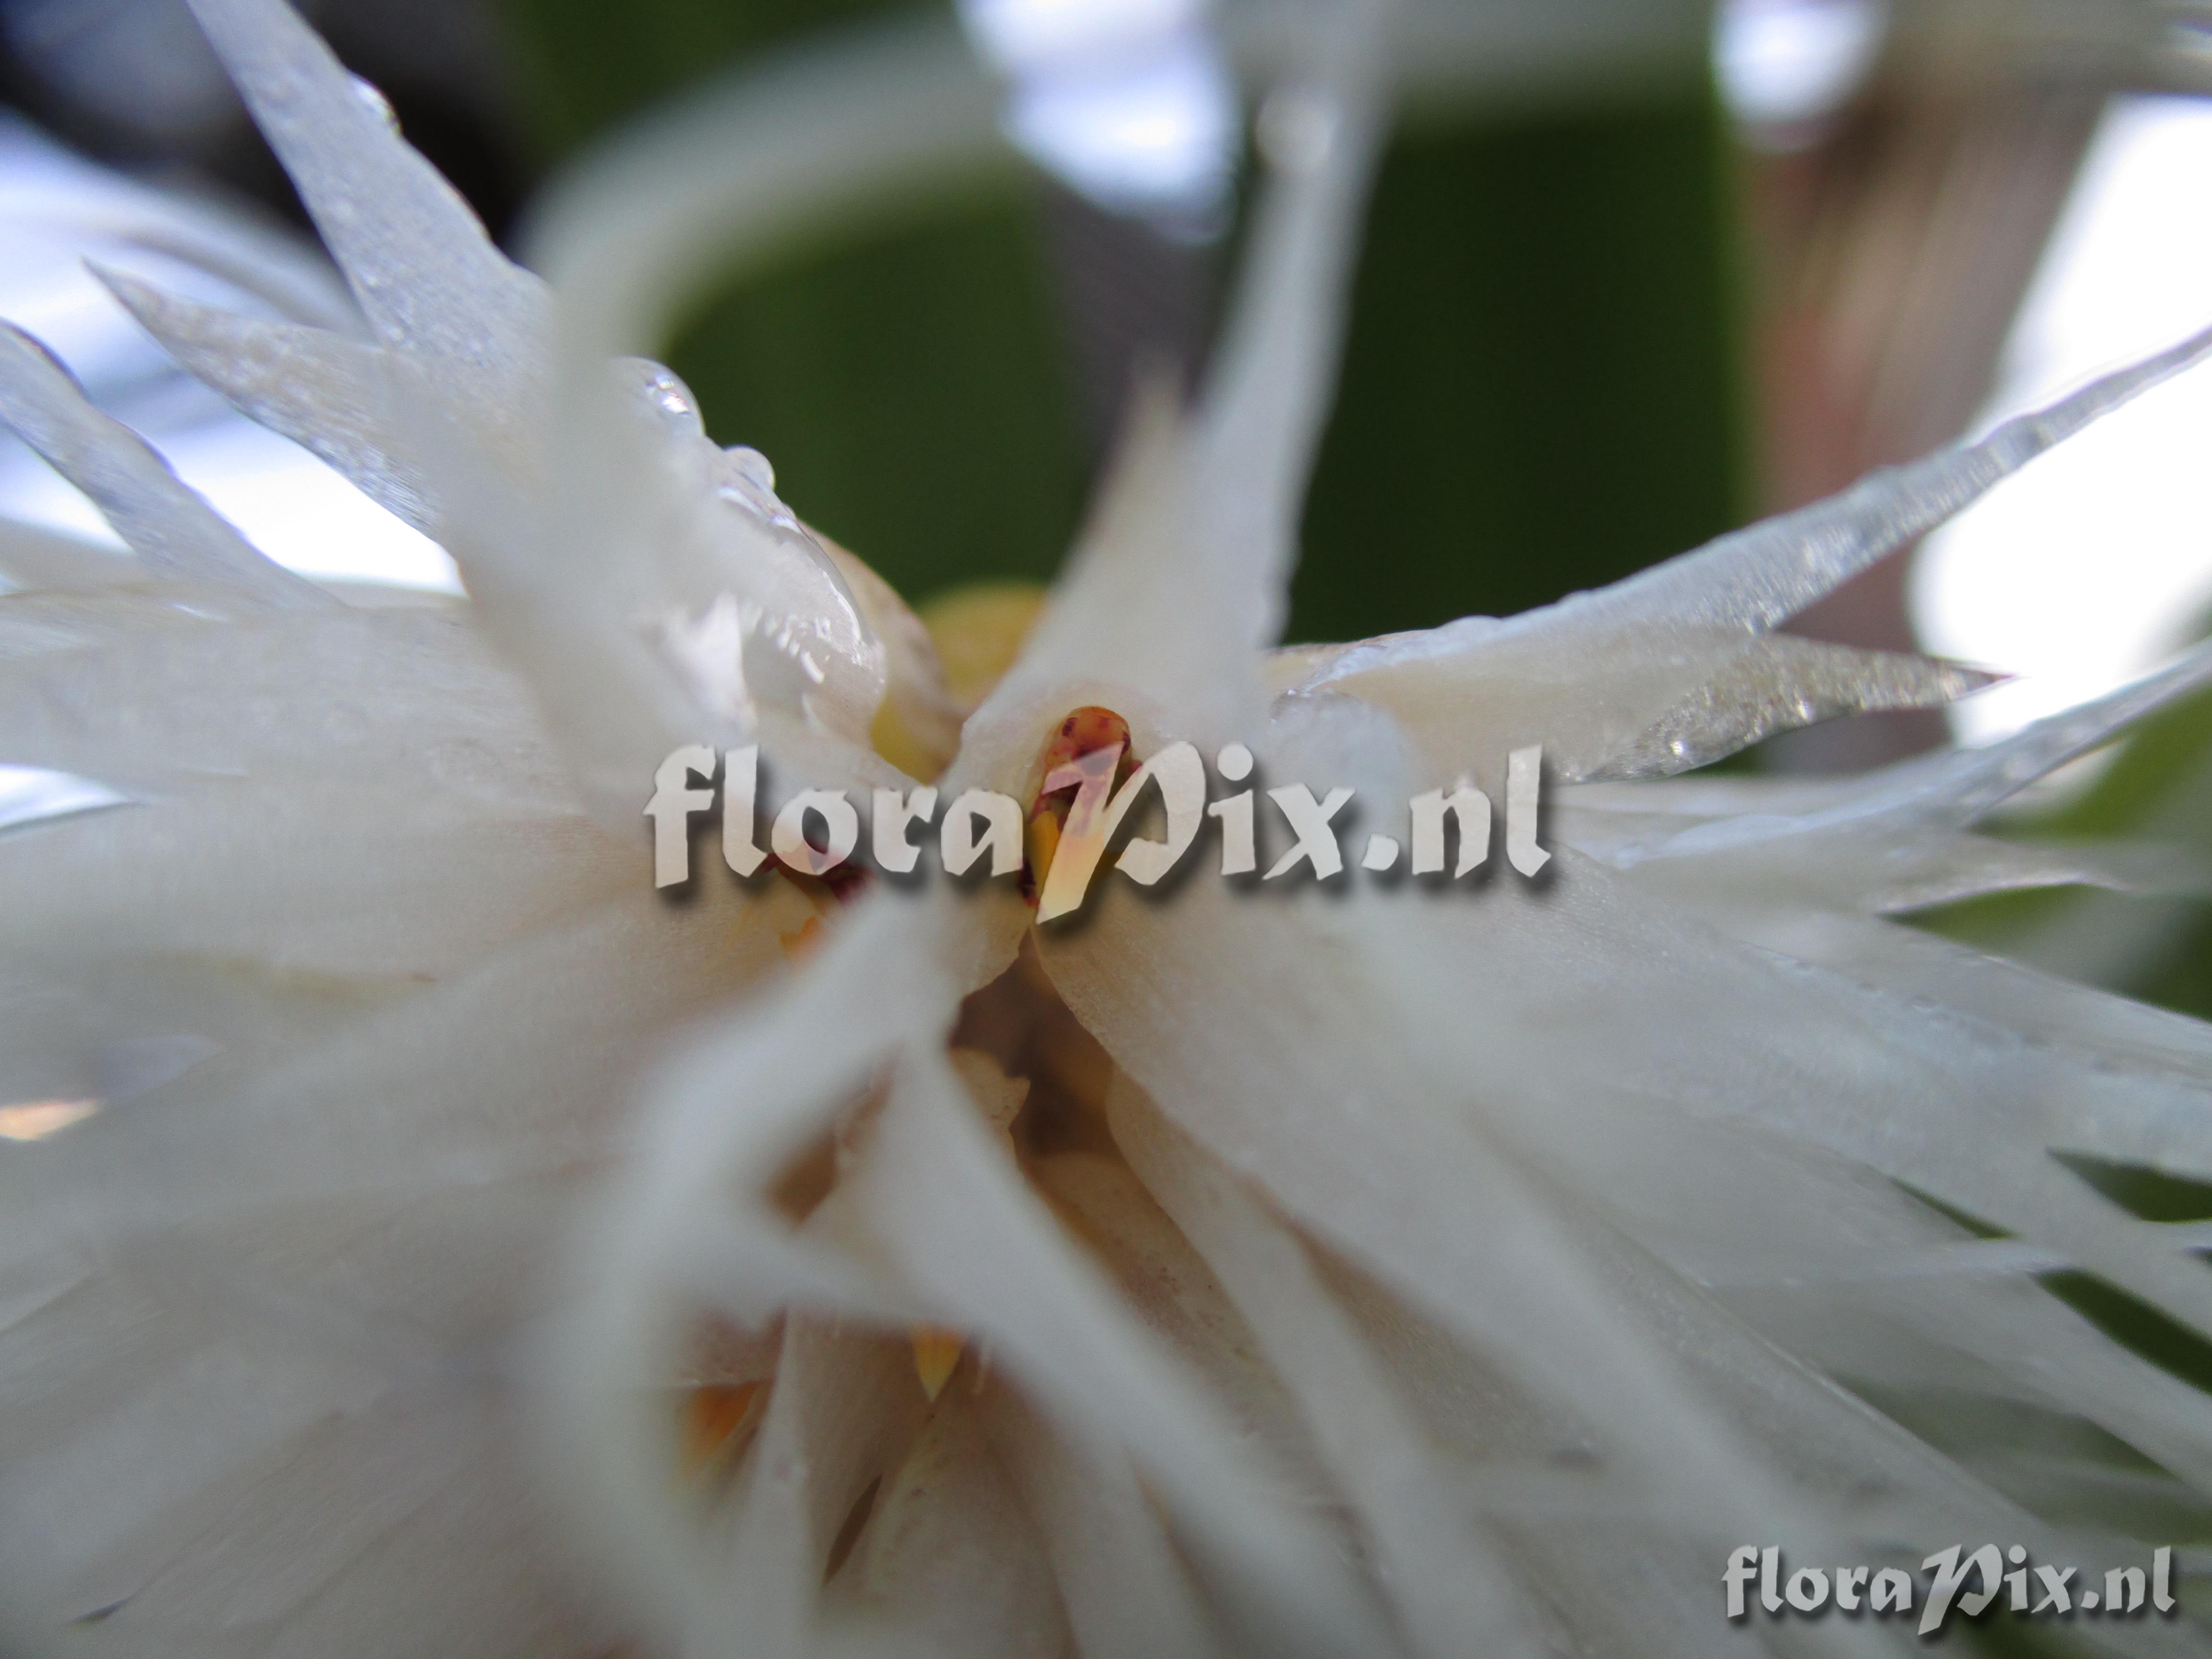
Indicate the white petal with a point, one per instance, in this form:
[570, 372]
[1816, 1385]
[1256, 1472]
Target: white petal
[419, 263]
[1451, 1591]
[951, 1559]
[321, 390]
[1126, 1593]
[973, 1240]
[171, 529]
[1587, 676]
[39, 560]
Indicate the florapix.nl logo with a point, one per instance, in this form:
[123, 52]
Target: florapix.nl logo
[1082, 804]
[1968, 1580]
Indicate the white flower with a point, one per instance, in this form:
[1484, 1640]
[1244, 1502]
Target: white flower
[1379, 1271]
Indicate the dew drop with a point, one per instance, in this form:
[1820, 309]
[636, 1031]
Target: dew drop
[664, 390]
[755, 468]
[372, 96]
[750, 483]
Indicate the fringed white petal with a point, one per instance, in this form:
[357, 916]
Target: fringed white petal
[1425, 1205]
[618, 549]
[36, 624]
[1777, 682]
[410, 699]
[952, 1564]
[296, 1292]
[1588, 677]
[1267, 397]
[1126, 1593]
[845, 1405]
[1181, 573]
[323, 390]
[178, 534]
[1414, 1273]
[419, 263]
[1452, 1591]
[232, 872]
[1756, 578]
[973, 1240]
[887, 983]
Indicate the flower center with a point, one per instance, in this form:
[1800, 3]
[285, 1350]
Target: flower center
[1085, 731]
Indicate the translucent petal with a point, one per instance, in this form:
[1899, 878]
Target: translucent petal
[1589, 676]
[1960, 786]
[290, 1327]
[1269, 391]
[302, 876]
[410, 698]
[419, 263]
[177, 534]
[1124, 1589]
[1449, 1589]
[951, 1558]
[844, 1409]
[1778, 683]
[321, 390]
[1181, 571]
[919, 717]
[888, 979]
[968, 1234]
[1423, 1204]
[34, 624]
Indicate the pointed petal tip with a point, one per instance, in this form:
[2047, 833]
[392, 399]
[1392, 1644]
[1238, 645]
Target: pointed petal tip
[161, 518]
[416, 256]
[148, 305]
[713, 1423]
[1963, 679]
[936, 1355]
[142, 299]
[22, 340]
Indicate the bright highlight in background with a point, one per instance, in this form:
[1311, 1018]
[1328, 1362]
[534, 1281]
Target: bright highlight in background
[1129, 101]
[1782, 65]
[2096, 562]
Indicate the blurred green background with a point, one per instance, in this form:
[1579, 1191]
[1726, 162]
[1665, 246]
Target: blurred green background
[1543, 388]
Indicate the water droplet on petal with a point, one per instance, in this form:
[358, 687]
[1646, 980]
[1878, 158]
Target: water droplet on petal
[750, 482]
[751, 465]
[664, 391]
[379, 105]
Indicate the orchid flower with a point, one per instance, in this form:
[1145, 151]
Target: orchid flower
[417, 1235]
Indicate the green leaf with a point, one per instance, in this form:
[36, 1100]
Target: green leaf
[1541, 391]
[1542, 387]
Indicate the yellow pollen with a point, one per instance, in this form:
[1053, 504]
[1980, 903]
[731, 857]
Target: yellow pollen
[936, 1352]
[715, 1419]
[35, 1119]
[801, 945]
